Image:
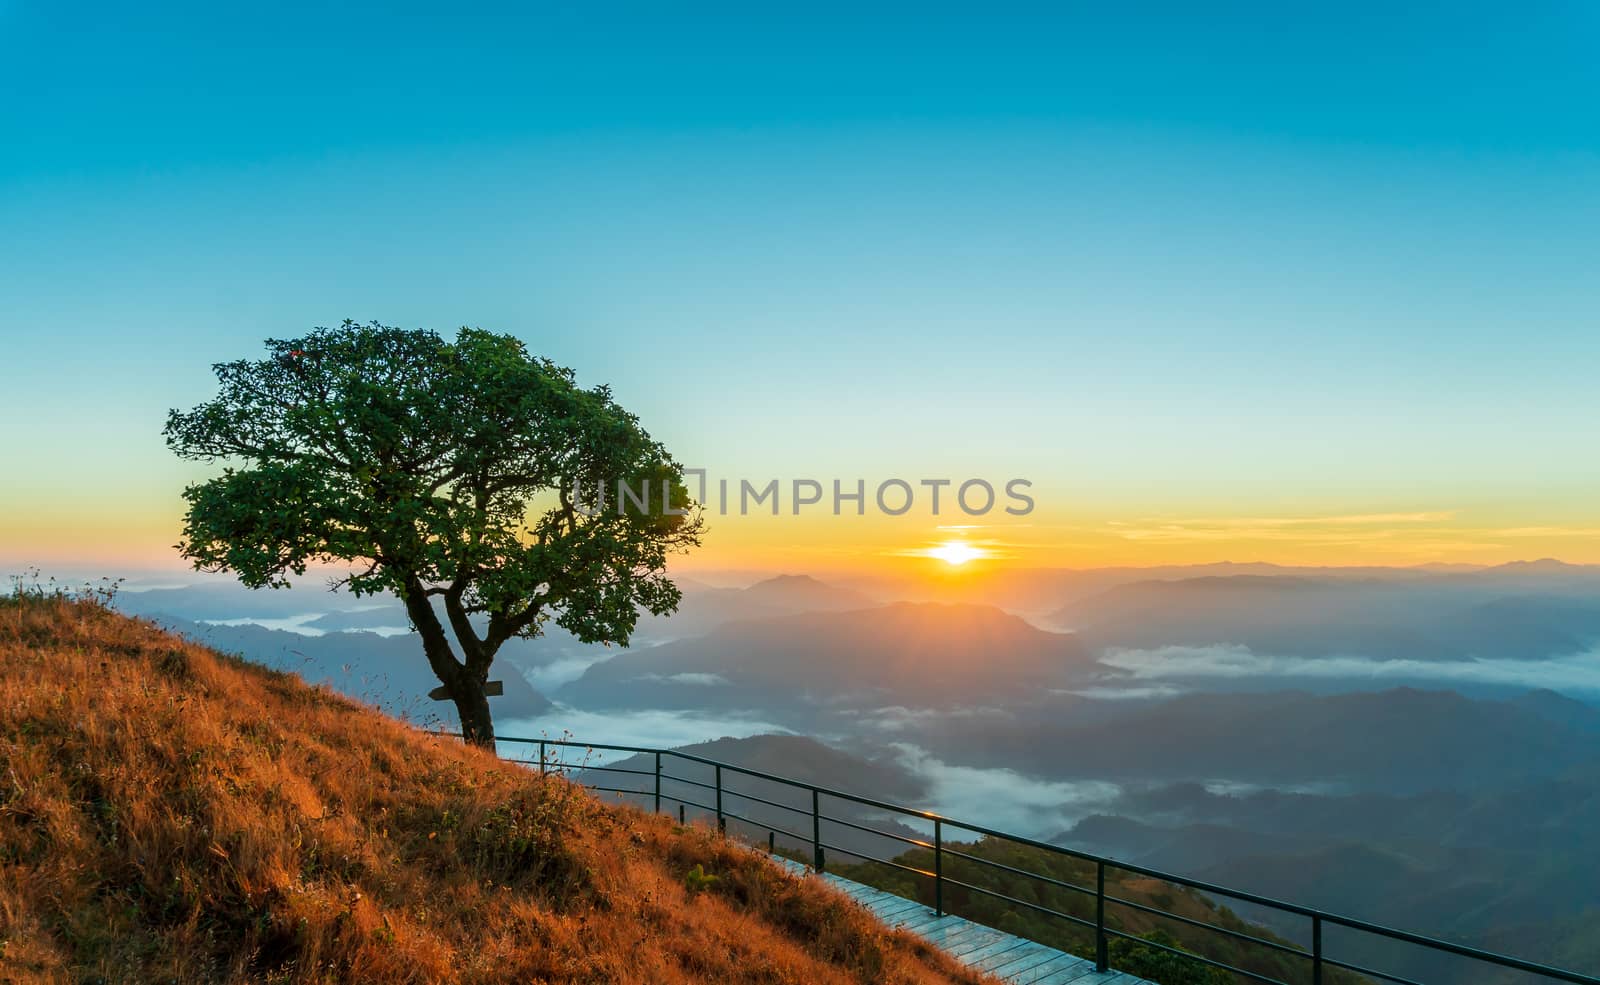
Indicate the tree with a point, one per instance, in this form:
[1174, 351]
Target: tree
[448, 471]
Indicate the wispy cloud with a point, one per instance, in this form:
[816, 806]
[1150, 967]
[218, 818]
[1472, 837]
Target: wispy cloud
[1009, 800]
[1546, 532]
[1409, 531]
[698, 680]
[1576, 673]
[1146, 692]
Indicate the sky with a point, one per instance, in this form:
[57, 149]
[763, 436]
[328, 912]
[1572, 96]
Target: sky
[1228, 281]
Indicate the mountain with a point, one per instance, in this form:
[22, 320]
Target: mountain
[1399, 740]
[1455, 617]
[1462, 865]
[755, 806]
[704, 609]
[223, 598]
[914, 654]
[1040, 591]
[172, 814]
[387, 672]
[801, 758]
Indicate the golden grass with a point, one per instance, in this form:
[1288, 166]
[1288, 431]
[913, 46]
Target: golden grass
[170, 814]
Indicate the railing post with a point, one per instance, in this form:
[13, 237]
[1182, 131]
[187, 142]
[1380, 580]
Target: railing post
[542, 768]
[680, 816]
[722, 824]
[1316, 949]
[938, 868]
[816, 832]
[658, 782]
[1101, 959]
[772, 843]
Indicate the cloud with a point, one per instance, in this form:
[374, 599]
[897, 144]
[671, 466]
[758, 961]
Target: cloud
[898, 718]
[698, 680]
[1344, 528]
[1546, 532]
[649, 728]
[1005, 799]
[563, 670]
[1575, 673]
[1144, 693]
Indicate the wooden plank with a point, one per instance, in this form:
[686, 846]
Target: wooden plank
[1074, 976]
[1008, 957]
[975, 957]
[978, 942]
[889, 912]
[1059, 964]
[936, 927]
[1014, 969]
[1024, 949]
[860, 893]
[921, 920]
[966, 931]
[954, 937]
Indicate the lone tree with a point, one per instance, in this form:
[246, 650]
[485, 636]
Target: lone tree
[441, 471]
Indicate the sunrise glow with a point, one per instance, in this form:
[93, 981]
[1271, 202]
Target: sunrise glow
[955, 552]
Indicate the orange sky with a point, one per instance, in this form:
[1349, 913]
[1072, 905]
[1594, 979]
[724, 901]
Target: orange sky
[136, 531]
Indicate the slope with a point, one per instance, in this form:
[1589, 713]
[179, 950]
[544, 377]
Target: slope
[172, 814]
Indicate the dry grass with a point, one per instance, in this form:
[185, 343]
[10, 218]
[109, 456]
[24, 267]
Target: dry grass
[169, 814]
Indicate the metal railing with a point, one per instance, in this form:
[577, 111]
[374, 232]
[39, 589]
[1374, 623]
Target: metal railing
[1318, 961]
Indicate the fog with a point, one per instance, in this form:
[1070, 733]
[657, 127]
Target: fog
[1005, 799]
[649, 728]
[1578, 674]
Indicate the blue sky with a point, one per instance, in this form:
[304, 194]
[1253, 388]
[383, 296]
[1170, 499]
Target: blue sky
[1175, 264]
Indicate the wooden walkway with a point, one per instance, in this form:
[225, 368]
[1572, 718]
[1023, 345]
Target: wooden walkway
[1007, 957]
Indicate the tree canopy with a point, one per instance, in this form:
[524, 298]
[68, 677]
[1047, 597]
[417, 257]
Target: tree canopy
[439, 470]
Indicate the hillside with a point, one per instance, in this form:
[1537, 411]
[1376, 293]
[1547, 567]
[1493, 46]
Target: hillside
[171, 814]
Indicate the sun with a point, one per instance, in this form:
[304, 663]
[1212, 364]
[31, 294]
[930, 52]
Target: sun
[955, 552]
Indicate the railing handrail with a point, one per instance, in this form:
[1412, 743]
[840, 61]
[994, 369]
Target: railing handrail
[941, 821]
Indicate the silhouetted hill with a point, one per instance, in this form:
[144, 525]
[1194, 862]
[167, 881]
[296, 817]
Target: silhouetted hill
[705, 609]
[1460, 865]
[758, 806]
[798, 757]
[908, 654]
[388, 672]
[217, 598]
[1040, 591]
[1454, 618]
[1396, 740]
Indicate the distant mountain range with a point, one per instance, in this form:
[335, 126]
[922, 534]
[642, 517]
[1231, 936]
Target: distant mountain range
[388, 673]
[1399, 740]
[922, 655]
[1040, 592]
[1445, 617]
[755, 806]
[704, 609]
[1466, 866]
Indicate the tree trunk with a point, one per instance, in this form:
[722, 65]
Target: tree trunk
[464, 682]
[472, 706]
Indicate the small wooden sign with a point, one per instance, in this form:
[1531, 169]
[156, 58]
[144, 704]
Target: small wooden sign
[491, 689]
